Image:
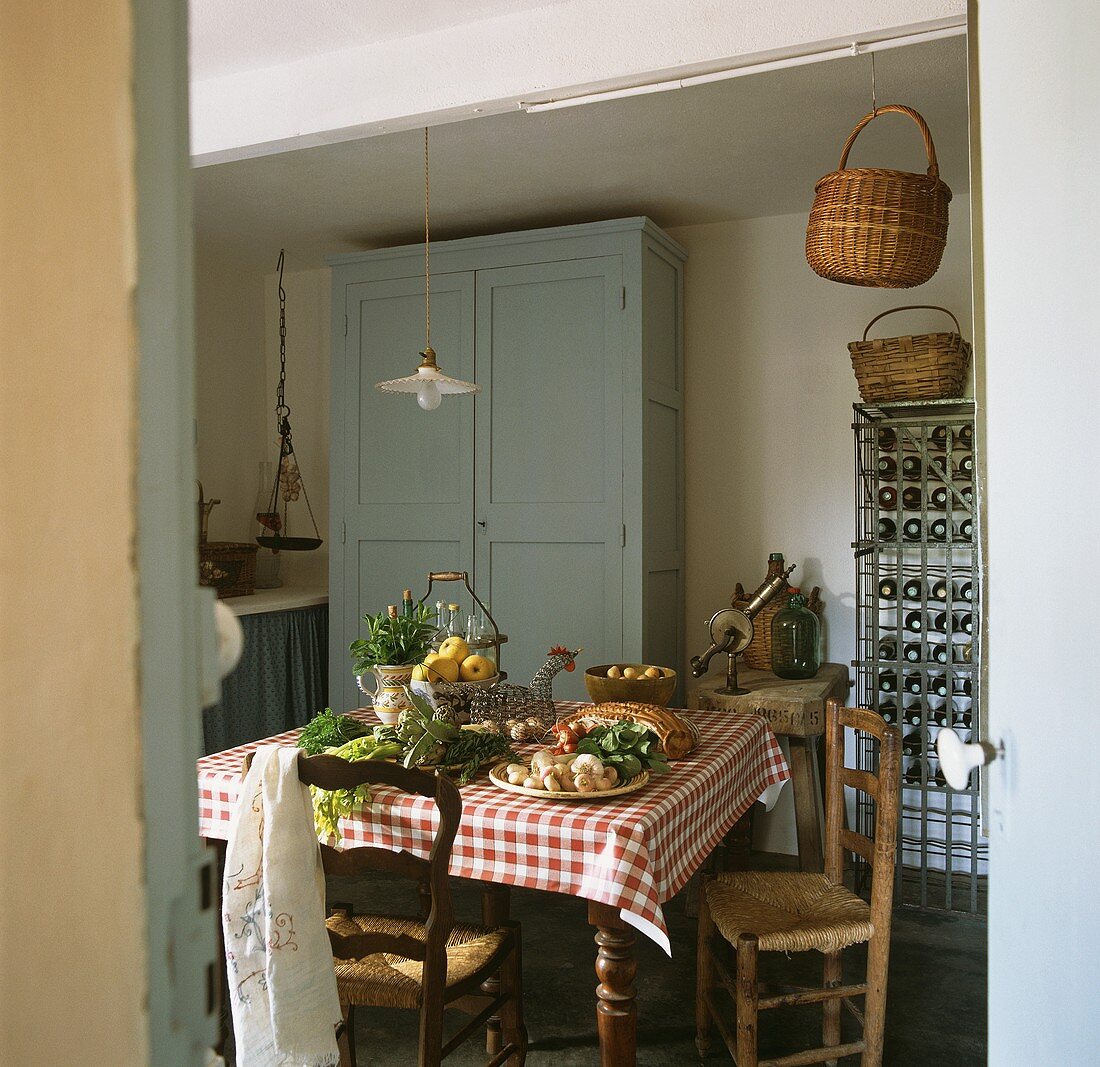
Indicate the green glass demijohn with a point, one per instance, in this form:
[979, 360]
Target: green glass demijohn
[796, 640]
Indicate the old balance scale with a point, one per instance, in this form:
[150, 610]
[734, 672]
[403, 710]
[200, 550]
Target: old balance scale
[732, 630]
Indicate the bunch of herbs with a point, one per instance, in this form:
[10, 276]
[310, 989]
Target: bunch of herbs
[394, 640]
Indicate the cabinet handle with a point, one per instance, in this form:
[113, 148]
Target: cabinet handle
[481, 523]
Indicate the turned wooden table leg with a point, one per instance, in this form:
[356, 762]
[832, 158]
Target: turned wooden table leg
[495, 904]
[616, 1012]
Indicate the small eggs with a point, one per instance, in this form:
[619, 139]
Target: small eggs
[614, 672]
[630, 672]
[652, 672]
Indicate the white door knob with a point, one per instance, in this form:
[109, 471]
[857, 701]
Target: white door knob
[958, 759]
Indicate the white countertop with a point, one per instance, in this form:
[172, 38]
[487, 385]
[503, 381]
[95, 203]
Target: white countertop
[285, 598]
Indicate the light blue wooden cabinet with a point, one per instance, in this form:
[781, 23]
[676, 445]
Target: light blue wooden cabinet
[559, 487]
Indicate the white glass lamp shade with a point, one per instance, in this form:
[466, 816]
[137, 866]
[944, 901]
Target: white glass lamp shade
[429, 383]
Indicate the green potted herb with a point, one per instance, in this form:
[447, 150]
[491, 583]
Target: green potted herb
[393, 645]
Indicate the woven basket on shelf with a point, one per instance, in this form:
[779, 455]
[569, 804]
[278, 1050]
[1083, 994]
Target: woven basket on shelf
[882, 228]
[922, 366]
[758, 654]
[228, 566]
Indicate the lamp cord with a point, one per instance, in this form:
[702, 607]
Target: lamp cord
[427, 254]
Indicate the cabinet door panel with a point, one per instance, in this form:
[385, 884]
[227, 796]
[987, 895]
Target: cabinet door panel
[405, 475]
[549, 469]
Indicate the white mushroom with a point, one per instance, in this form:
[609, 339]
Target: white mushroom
[517, 777]
[543, 758]
[532, 783]
[550, 783]
[611, 777]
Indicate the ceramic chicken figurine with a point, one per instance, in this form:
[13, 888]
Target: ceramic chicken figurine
[499, 703]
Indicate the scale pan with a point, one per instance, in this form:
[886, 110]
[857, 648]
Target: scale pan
[290, 544]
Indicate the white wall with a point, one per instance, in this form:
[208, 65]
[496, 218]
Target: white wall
[234, 407]
[768, 400]
[1041, 227]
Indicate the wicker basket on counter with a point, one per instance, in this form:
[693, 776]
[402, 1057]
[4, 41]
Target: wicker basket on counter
[922, 366]
[228, 566]
[758, 654]
[881, 228]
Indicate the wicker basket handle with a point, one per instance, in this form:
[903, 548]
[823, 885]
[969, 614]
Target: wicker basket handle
[913, 307]
[901, 109]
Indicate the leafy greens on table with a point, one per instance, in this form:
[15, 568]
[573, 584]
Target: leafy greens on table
[629, 747]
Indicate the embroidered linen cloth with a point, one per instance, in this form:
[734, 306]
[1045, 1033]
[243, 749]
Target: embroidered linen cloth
[282, 985]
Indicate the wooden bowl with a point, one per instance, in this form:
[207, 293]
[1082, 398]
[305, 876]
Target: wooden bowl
[642, 690]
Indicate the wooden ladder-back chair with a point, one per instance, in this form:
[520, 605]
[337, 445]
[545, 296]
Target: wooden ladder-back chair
[765, 911]
[422, 964]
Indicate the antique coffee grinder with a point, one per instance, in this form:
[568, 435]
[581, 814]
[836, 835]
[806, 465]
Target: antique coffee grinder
[731, 631]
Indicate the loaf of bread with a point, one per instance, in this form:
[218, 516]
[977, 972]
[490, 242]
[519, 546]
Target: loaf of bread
[677, 736]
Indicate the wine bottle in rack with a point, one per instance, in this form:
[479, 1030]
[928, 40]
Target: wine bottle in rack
[938, 436]
[889, 711]
[914, 743]
[910, 498]
[911, 651]
[968, 496]
[966, 591]
[911, 529]
[938, 497]
[888, 649]
[912, 589]
[888, 589]
[939, 653]
[941, 716]
[937, 530]
[938, 777]
[913, 715]
[937, 683]
[939, 589]
[966, 467]
[912, 684]
[912, 775]
[966, 530]
[887, 497]
[887, 438]
[914, 621]
[887, 530]
[966, 435]
[887, 468]
[911, 467]
[888, 682]
[966, 623]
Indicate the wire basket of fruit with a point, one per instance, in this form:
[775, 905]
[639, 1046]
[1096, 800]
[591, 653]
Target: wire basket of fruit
[447, 679]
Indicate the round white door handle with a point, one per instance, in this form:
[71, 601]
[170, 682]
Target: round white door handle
[958, 759]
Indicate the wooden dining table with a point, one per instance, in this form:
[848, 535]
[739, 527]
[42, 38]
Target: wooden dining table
[625, 855]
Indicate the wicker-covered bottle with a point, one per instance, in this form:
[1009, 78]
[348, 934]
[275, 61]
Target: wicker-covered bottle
[796, 640]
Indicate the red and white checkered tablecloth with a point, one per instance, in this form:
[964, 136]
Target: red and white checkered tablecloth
[631, 852]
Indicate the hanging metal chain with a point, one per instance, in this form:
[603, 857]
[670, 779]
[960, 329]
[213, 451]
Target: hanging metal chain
[427, 254]
[281, 410]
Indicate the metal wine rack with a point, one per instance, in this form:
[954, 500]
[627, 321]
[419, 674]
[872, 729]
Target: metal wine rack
[917, 603]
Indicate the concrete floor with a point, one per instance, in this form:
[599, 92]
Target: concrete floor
[937, 987]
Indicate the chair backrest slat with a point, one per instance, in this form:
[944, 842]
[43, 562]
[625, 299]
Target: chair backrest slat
[358, 946]
[858, 843]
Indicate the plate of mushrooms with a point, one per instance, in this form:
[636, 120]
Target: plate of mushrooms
[569, 776]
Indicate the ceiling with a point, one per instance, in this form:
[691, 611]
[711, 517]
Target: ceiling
[246, 34]
[744, 148]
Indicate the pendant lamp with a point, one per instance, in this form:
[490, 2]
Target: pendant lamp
[429, 383]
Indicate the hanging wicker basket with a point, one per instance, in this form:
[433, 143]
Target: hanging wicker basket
[880, 228]
[922, 366]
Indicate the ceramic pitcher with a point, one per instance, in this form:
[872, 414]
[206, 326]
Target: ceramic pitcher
[385, 685]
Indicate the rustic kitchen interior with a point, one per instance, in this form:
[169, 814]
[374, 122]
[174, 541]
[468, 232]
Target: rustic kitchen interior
[633, 437]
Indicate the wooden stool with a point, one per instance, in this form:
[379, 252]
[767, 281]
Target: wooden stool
[795, 709]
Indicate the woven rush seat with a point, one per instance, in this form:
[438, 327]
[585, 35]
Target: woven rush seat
[788, 912]
[386, 981]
